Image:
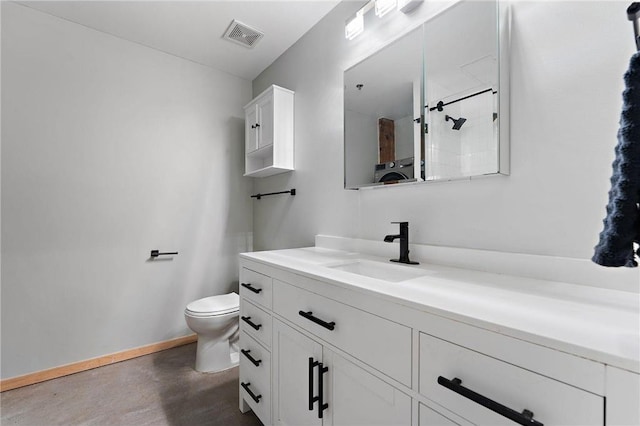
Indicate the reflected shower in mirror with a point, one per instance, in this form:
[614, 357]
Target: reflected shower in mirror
[382, 97]
[461, 92]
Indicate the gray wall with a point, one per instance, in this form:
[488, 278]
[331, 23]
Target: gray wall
[109, 150]
[567, 63]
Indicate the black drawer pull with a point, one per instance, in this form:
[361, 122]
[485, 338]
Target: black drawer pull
[248, 321]
[251, 394]
[525, 418]
[309, 315]
[249, 287]
[254, 361]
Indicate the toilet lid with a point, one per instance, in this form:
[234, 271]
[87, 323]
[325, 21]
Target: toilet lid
[215, 305]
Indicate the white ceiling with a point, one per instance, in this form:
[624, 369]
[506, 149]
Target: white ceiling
[193, 29]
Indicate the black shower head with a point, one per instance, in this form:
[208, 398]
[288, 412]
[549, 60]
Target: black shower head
[456, 123]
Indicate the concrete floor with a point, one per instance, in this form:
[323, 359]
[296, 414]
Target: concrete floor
[157, 389]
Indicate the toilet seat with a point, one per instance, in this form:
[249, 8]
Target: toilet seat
[214, 306]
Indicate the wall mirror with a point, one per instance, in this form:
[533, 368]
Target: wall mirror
[433, 105]
[382, 98]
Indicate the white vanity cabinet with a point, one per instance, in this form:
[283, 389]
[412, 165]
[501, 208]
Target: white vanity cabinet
[269, 133]
[255, 343]
[315, 385]
[373, 360]
[312, 383]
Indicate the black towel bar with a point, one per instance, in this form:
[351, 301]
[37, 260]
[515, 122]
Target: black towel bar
[258, 196]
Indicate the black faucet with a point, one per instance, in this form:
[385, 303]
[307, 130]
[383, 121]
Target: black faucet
[404, 243]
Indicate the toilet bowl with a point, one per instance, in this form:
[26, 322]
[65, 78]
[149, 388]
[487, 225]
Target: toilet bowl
[215, 320]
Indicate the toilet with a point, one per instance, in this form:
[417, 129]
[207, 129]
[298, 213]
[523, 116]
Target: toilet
[215, 320]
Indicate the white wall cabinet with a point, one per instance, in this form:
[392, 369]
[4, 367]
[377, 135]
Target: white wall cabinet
[269, 137]
[389, 364]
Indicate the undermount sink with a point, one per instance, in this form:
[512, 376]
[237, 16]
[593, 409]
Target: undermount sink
[381, 271]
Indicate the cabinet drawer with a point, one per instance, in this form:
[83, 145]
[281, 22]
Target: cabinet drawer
[255, 287]
[429, 417]
[255, 361]
[383, 344]
[551, 402]
[255, 322]
[261, 407]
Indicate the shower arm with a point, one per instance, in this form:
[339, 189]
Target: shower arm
[633, 13]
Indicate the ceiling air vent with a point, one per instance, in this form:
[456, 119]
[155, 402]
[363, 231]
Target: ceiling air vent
[242, 34]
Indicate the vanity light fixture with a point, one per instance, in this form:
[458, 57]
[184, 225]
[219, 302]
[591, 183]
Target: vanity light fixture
[384, 6]
[354, 26]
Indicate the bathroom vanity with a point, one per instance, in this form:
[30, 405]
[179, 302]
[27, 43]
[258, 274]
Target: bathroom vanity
[343, 337]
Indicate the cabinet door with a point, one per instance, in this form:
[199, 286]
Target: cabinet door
[356, 397]
[250, 130]
[291, 353]
[266, 118]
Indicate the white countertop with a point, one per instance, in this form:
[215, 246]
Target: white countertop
[595, 323]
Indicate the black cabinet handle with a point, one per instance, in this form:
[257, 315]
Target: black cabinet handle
[309, 315]
[320, 398]
[525, 418]
[248, 286]
[322, 405]
[248, 321]
[254, 361]
[312, 399]
[251, 394]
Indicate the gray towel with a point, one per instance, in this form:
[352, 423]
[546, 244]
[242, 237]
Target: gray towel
[622, 224]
